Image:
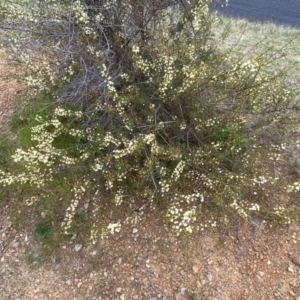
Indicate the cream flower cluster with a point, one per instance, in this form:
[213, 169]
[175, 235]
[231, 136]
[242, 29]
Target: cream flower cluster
[181, 220]
[78, 192]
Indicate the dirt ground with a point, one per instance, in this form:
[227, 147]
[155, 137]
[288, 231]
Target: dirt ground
[145, 262]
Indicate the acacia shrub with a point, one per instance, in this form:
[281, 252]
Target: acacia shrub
[151, 114]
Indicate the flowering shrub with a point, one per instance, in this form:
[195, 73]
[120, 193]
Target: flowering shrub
[163, 119]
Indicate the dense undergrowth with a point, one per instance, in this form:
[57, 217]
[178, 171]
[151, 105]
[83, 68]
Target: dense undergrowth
[138, 109]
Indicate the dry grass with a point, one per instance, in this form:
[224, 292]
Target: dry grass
[246, 38]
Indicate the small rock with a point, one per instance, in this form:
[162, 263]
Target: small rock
[43, 215]
[208, 276]
[195, 269]
[78, 247]
[135, 297]
[122, 297]
[79, 284]
[292, 293]
[293, 283]
[119, 290]
[217, 292]
[198, 284]
[74, 236]
[279, 285]
[134, 230]
[290, 269]
[133, 282]
[183, 290]
[69, 282]
[295, 260]
[298, 298]
[178, 296]
[172, 239]
[256, 249]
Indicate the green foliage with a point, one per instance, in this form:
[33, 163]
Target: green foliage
[43, 228]
[148, 116]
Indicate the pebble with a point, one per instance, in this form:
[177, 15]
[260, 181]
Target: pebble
[256, 249]
[183, 290]
[69, 282]
[178, 296]
[74, 236]
[122, 297]
[78, 247]
[208, 276]
[292, 293]
[217, 292]
[79, 284]
[119, 290]
[195, 269]
[172, 240]
[279, 285]
[134, 230]
[133, 282]
[290, 269]
[295, 260]
[260, 273]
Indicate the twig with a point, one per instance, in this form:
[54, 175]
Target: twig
[279, 293]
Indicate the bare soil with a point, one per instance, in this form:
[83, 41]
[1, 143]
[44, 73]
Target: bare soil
[11, 86]
[249, 262]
